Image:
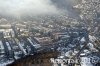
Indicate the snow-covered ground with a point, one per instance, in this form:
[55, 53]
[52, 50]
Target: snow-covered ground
[34, 44]
[85, 55]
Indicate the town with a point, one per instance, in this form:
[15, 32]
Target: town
[18, 40]
[49, 35]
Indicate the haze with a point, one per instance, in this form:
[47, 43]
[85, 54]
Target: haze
[17, 8]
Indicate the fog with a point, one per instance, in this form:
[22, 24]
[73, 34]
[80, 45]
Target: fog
[17, 8]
